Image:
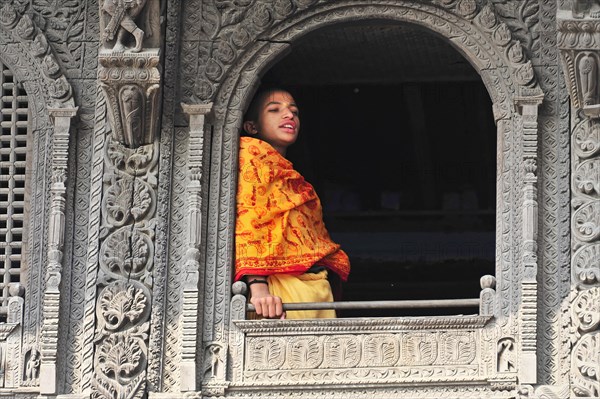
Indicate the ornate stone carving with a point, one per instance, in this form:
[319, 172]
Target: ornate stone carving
[131, 84]
[51, 299]
[215, 355]
[579, 44]
[125, 277]
[123, 20]
[24, 29]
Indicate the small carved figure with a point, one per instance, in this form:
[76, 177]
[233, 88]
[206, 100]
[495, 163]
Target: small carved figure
[32, 367]
[506, 361]
[122, 14]
[213, 357]
[583, 8]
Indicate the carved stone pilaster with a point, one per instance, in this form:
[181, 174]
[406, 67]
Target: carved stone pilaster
[189, 342]
[130, 77]
[528, 107]
[51, 298]
[579, 45]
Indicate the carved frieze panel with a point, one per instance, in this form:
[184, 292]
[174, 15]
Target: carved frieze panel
[338, 352]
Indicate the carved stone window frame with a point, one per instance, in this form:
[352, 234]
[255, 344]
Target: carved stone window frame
[487, 43]
[24, 49]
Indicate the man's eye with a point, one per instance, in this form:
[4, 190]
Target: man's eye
[273, 110]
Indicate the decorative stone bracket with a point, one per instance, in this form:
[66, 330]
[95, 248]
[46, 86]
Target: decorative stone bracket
[579, 42]
[131, 85]
[189, 344]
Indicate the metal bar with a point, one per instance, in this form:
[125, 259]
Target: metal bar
[408, 304]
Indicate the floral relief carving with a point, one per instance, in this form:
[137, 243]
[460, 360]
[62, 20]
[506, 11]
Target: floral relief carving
[585, 376]
[265, 353]
[586, 222]
[342, 351]
[127, 198]
[127, 253]
[587, 138]
[120, 359]
[304, 353]
[586, 310]
[585, 265]
[457, 348]
[121, 304]
[419, 349]
[134, 161]
[587, 178]
[125, 278]
[380, 350]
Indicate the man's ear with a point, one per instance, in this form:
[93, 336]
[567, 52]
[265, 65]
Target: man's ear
[250, 127]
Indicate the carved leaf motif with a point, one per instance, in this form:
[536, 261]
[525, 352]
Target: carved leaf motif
[586, 268]
[586, 310]
[419, 349]
[126, 253]
[342, 352]
[587, 138]
[265, 354]
[586, 221]
[120, 357]
[458, 348]
[304, 353]
[587, 177]
[120, 303]
[381, 350]
[586, 376]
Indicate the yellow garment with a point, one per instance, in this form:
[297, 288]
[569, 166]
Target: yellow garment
[279, 225]
[307, 287]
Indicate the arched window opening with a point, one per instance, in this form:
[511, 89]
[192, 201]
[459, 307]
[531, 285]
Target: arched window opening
[14, 178]
[399, 140]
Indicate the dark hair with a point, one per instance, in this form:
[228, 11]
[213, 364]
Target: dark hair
[254, 108]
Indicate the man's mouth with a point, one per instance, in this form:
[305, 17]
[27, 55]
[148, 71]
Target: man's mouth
[288, 126]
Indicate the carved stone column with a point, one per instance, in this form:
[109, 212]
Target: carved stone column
[528, 107]
[189, 343]
[56, 230]
[130, 77]
[579, 44]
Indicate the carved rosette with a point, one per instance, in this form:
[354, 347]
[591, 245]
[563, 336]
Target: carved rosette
[131, 85]
[125, 270]
[579, 44]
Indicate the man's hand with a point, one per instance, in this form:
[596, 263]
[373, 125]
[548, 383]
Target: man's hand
[266, 305]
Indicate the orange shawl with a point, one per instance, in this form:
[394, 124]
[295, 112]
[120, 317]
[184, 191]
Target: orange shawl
[279, 226]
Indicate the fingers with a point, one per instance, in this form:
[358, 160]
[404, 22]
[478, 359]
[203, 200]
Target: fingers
[268, 306]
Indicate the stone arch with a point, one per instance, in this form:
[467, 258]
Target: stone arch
[477, 33]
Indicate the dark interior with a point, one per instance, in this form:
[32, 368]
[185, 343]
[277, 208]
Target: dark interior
[399, 140]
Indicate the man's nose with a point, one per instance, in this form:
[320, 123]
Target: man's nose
[288, 113]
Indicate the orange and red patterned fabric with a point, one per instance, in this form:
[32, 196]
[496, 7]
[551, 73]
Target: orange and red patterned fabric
[279, 226]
